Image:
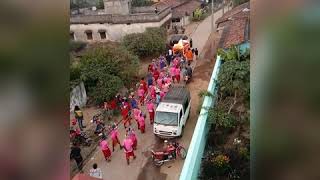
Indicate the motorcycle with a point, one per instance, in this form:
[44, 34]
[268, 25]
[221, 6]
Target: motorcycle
[172, 151]
[80, 137]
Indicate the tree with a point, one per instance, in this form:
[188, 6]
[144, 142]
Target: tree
[150, 43]
[106, 69]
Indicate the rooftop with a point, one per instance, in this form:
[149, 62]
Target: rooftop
[235, 26]
[169, 107]
[185, 8]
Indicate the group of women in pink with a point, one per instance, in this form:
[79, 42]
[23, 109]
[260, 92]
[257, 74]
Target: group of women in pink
[161, 76]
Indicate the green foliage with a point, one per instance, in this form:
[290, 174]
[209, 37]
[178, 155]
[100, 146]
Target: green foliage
[151, 42]
[105, 70]
[100, 4]
[221, 118]
[205, 93]
[75, 73]
[244, 153]
[139, 3]
[221, 164]
[77, 46]
[234, 77]
[238, 2]
[199, 14]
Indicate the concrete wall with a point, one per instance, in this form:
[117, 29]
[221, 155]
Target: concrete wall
[191, 166]
[114, 32]
[117, 6]
[78, 96]
[143, 9]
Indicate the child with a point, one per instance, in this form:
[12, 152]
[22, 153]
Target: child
[114, 137]
[95, 171]
[150, 108]
[128, 149]
[105, 149]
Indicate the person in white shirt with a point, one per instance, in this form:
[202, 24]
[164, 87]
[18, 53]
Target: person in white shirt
[170, 52]
[95, 171]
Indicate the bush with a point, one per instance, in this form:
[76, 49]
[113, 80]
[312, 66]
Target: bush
[150, 43]
[105, 70]
[77, 46]
[75, 73]
[221, 164]
[139, 3]
[199, 15]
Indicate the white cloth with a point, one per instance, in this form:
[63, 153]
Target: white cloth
[97, 173]
[170, 52]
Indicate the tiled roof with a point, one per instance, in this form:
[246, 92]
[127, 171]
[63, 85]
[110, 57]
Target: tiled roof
[236, 12]
[187, 7]
[235, 25]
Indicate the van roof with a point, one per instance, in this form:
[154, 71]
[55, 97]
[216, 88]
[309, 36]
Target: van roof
[177, 94]
[169, 107]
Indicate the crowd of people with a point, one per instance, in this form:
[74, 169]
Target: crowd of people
[162, 73]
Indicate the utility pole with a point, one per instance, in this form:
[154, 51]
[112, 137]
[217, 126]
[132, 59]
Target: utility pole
[212, 17]
[222, 7]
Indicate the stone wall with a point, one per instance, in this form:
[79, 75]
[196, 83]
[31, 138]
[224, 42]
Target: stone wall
[78, 96]
[114, 32]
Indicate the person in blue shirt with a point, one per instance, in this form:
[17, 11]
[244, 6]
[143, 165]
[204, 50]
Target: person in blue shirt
[158, 97]
[134, 103]
[149, 79]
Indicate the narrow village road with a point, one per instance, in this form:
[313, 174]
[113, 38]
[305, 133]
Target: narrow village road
[142, 168]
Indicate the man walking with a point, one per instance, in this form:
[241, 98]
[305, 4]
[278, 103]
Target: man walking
[76, 155]
[196, 52]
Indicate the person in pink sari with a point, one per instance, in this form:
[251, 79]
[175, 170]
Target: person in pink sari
[142, 123]
[105, 149]
[141, 93]
[150, 108]
[132, 135]
[173, 73]
[136, 114]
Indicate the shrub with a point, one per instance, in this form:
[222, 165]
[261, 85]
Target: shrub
[199, 14]
[75, 73]
[105, 70]
[221, 164]
[77, 46]
[151, 42]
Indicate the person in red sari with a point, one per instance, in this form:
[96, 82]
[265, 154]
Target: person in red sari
[125, 115]
[105, 149]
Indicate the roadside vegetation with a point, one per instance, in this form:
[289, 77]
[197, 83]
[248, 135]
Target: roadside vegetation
[199, 14]
[149, 43]
[107, 68]
[227, 149]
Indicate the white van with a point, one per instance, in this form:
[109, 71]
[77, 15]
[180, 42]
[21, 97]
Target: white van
[172, 113]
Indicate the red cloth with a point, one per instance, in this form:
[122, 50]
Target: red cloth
[151, 114]
[156, 74]
[113, 104]
[178, 78]
[129, 154]
[142, 128]
[106, 153]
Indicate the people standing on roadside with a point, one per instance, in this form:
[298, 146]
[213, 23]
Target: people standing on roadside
[158, 98]
[76, 155]
[190, 42]
[128, 148]
[144, 84]
[78, 114]
[95, 171]
[196, 52]
[114, 137]
[105, 149]
[125, 115]
[150, 108]
[156, 74]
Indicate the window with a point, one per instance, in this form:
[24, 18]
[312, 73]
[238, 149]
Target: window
[72, 35]
[166, 118]
[89, 34]
[103, 35]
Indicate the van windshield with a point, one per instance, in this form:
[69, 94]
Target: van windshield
[166, 118]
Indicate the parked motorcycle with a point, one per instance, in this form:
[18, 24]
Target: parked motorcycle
[80, 137]
[173, 150]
